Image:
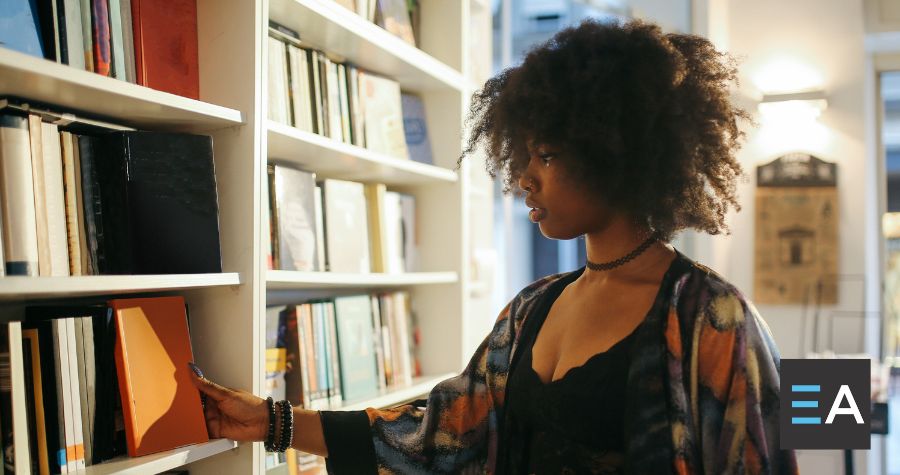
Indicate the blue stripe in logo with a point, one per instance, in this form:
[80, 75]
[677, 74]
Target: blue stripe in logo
[805, 388]
[806, 420]
[804, 403]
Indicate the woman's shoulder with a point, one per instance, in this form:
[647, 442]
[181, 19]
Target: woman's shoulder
[701, 291]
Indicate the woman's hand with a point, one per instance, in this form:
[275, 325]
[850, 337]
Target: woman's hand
[233, 414]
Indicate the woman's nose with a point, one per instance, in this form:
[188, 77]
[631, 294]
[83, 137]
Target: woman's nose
[526, 182]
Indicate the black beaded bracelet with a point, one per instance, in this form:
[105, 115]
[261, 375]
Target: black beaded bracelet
[270, 435]
[287, 426]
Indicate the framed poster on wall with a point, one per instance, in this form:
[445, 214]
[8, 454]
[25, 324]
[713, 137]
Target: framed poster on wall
[796, 245]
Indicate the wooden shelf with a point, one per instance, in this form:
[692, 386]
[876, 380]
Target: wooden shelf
[25, 288]
[326, 25]
[393, 397]
[293, 280]
[38, 79]
[162, 461]
[329, 158]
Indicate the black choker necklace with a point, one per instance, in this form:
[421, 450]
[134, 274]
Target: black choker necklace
[631, 255]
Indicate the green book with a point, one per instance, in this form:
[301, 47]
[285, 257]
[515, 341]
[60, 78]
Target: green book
[356, 348]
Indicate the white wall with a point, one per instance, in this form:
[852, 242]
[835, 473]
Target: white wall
[797, 45]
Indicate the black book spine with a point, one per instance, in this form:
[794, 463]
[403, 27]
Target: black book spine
[90, 192]
[61, 30]
[111, 168]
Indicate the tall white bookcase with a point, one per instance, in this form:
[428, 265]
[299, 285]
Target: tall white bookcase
[228, 309]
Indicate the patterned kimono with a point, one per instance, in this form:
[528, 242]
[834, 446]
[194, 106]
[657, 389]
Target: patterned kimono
[702, 394]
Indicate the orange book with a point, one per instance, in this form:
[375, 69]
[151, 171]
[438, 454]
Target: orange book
[160, 405]
[165, 45]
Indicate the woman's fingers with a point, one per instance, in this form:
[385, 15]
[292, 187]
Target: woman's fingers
[211, 389]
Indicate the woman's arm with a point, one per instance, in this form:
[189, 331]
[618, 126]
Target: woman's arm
[239, 415]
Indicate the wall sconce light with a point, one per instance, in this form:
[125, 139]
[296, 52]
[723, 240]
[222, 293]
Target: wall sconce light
[793, 107]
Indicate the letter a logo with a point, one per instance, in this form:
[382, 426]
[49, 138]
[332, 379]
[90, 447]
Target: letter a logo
[844, 392]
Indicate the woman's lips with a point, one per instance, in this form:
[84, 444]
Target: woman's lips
[537, 214]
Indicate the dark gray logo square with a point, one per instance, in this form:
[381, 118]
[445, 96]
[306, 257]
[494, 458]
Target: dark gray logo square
[825, 403]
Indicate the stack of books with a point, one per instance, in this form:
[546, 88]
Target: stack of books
[100, 381]
[90, 199]
[338, 225]
[315, 93]
[400, 17]
[150, 43]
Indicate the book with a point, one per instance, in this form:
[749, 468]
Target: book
[355, 347]
[295, 217]
[378, 343]
[74, 32]
[346, 227]
[75, 391]
[20, 249]
[344, 103]
[87, 34]
[393, 16]
[86, 265]
[337, 392]
[100, 30]
[40, 202]
[67, 448]
[393, 231]
[379, 99]
[84, 355]
[54, 200]
[31, 347]
[72, 210]
[127, 40]
[317, 96]
[155, 202]
[320, 230]
[356, 118]
[117, 39]
[377, 223]
[409, 233]
[332, 86]
[16, 374]
[279, 105]
[298, 67]
[165, 46]
[20, 27]
[415, 129]
[160, 404]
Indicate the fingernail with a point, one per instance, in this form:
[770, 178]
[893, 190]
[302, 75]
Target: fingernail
[195, 369]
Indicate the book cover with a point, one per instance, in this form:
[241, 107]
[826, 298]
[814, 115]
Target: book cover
[20, 27]
[157, 200]
[54, 200]
[87, 34]
[415, 128]
[74, 32]
[359, 378]
[75, 390]
[72, 210]
[409, 233]
[296, 219]
[117, 39]
[91, 205]
[382, 115]
[17, 197]
[100, 34]
[299, 88]
[346, 226]
[40, 201]
[32, 348]
[400, 336]
[165, 46]
[393, 16]
[279, 105]
[160, 404]
[375, 196]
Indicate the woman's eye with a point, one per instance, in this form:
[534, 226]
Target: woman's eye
[545, 157]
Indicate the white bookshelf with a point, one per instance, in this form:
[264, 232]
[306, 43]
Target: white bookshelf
[162, 461]
[36, 79]
[31, 288]
[333, 159]
[293, 280]
[228, 309]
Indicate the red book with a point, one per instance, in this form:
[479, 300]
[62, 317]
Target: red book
[165, 45]
[160, 405]
[100, 29]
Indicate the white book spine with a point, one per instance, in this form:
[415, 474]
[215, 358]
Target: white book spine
[54, 198]
[376, 339]
[90, 378]
[116, 39]
[320, 229]
[87, 35]
[277, 82]
[297, 65]
[74, 33]
[17, 197]
[402, 334]
[59, 350]
[35, 130]
[66, 389]
[19, 413]
[75, 391]
[335, 127]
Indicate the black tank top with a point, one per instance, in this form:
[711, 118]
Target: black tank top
[574, 424]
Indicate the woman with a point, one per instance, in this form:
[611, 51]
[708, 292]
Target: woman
[642, 361]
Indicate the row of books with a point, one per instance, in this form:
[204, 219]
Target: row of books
[400, 17]
[103, 201]
[315, 93]
[320, 354]
[99, 381]
[338, 225]
[140, 41]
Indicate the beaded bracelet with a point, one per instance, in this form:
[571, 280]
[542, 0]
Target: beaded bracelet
[287, 426]
[270, 435]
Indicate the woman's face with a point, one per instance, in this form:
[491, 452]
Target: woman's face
[563, 207]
